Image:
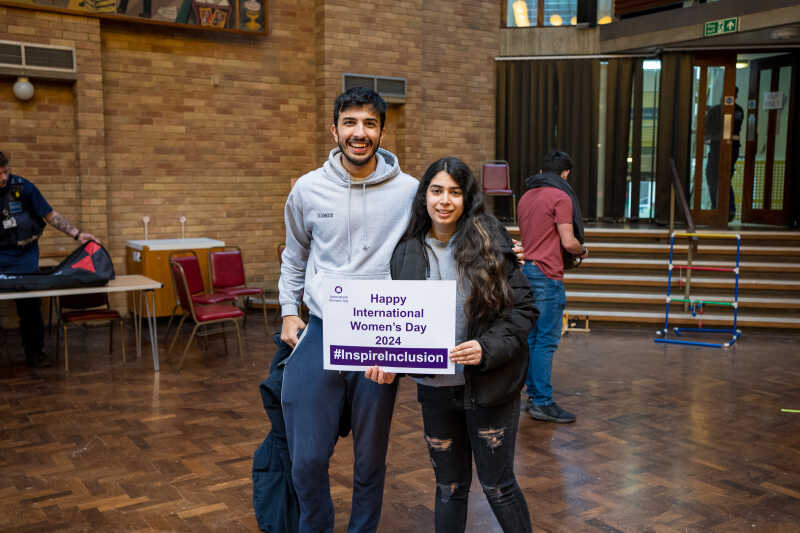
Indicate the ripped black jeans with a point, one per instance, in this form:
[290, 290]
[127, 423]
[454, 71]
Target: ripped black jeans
[454, 436]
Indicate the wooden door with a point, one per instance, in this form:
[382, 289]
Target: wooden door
[713, 96]
[771, 110]
[394, 131]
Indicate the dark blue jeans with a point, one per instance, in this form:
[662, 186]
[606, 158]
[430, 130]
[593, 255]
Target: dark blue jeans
[314, 401]
[455, 435]
[545, 335]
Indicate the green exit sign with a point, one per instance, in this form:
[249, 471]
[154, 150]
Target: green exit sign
[720, 27]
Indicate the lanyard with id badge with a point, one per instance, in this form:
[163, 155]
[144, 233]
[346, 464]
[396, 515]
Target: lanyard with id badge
[14, 208]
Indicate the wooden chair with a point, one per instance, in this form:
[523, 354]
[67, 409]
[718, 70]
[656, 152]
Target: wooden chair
[84, 309]
[227, 277]
[201, 314]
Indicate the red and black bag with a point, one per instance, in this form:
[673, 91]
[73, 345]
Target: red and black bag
[88, 266]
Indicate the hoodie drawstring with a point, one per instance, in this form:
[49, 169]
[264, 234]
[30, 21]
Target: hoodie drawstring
[349, 246]
[365, 246]
[364, 211]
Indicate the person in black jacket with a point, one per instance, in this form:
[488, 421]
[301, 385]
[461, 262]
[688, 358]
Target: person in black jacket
[474, 412]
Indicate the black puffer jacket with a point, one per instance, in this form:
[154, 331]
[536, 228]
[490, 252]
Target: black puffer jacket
[501, 374]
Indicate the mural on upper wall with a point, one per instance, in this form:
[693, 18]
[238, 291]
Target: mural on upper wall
[240, 15]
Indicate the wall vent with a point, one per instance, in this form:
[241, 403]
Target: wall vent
[56, 58]
[10, 54]
[37, 57]
[393, 90]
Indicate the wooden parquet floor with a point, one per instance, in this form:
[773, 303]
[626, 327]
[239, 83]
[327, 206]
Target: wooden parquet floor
[668, 438]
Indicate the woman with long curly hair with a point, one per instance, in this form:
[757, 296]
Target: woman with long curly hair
[473, 413]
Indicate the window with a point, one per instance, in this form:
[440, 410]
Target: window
[643, 133]
[560, 12]
[605, 11]
[521, 13]
[527, 13]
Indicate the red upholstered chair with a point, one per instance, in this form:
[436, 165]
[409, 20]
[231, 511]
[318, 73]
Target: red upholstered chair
[496, 181]
[227, 277]
[201, 314]
[79, 309]
[194, 278]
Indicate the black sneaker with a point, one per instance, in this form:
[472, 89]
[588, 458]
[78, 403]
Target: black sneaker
[38, 360]
[550, 413]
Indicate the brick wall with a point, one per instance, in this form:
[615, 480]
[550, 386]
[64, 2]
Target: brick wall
[446, 51]
[384, 39]
[458, 81]
[56, 139]
[212, 126]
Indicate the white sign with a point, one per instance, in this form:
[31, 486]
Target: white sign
[400, 326]
[773, 100]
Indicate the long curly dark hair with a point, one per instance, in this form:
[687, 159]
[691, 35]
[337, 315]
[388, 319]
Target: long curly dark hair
[481, 261]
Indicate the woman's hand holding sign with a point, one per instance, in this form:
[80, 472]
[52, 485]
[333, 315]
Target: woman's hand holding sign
[467, 353]
[381, 377]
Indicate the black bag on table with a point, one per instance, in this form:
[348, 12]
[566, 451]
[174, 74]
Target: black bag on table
[88, 266]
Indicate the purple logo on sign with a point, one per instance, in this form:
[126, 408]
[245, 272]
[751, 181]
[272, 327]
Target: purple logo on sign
[394, 357]
[338, 289]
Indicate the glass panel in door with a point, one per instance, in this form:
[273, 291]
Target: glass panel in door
[706, 136]
[764, 84]
[781, 139]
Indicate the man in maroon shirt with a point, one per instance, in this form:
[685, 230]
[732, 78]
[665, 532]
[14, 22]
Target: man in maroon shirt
[548, 214]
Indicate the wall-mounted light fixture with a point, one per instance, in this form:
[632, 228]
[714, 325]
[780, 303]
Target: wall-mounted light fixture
[23, 89]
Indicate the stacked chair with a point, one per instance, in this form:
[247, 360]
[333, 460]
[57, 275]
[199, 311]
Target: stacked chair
[228, 278]
[203, 309]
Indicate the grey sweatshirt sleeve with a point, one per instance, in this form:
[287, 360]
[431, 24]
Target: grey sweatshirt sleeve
[295, 255]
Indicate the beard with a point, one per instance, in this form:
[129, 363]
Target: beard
[359, 162]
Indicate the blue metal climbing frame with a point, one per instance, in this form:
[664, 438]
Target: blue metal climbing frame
[698, 305]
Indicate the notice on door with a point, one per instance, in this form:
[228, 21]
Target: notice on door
[773, 100]
[400, 326]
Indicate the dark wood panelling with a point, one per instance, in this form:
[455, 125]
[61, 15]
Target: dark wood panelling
[626, 7]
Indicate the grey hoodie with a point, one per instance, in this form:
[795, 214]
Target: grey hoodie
[342, 229]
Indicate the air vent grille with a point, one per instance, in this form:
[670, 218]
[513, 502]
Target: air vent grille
[358, 81]
[37, 57]
[391, 87]
[393, 90]
[10, 54]
[57, 58]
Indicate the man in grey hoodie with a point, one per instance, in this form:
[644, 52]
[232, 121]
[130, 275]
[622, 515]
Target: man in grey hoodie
[342, 222]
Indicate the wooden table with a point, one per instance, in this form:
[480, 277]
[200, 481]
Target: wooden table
[145, 288]
[151, 258]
